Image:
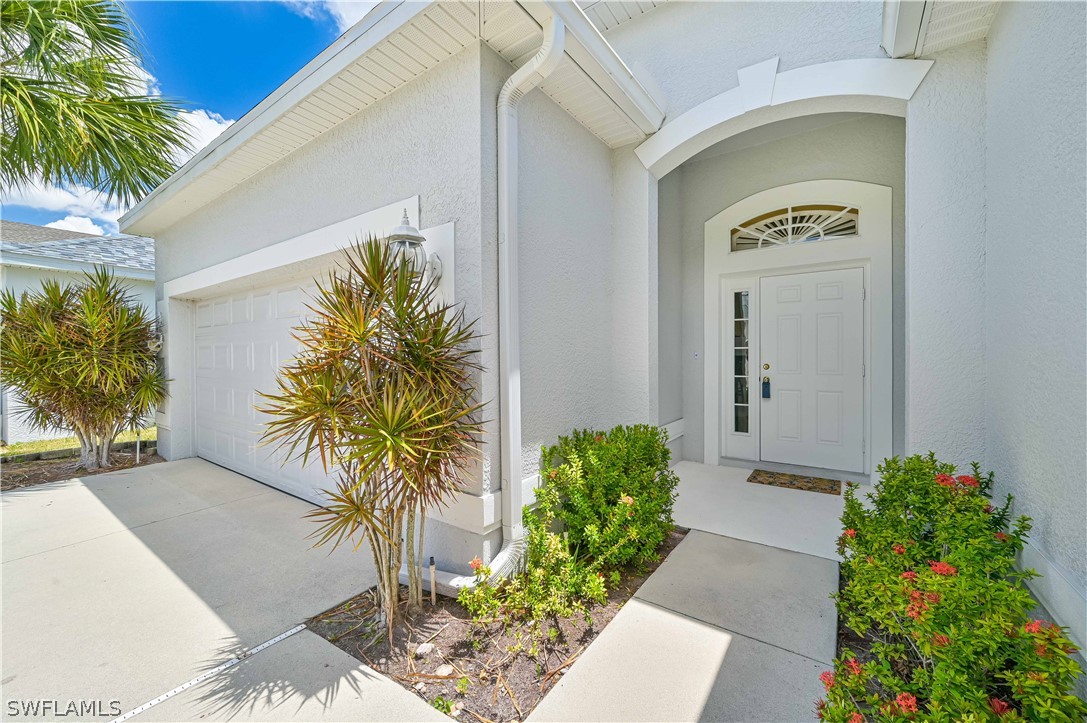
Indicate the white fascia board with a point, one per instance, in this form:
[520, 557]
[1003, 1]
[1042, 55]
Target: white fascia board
[903, 21]
[588, 48]
[9, 258]
[381, 22]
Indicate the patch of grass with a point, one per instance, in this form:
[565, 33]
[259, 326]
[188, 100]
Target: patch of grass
[48, 445]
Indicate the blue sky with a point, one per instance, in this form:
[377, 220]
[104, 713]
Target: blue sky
[220, 58]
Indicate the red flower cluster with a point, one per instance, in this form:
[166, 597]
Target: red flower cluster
[899, 549]
[854, 666]
[917, 605]
[598, 438]
[827, 676]
[475, 564]
[942, 568]
[945, 480]
[907, 702]
[856, 718]
[909, 575]
[1034, 626]
[1001, 537]
[940, 640]
[932, 597]
[850, 533]
[999, 707]
[967, 480]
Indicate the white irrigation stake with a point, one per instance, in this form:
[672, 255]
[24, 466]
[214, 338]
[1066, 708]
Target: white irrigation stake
[137, 447]
[204, 676]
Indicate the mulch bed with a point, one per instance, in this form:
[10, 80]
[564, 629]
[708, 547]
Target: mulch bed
[796, 482]
[15, 475]
[492, 672]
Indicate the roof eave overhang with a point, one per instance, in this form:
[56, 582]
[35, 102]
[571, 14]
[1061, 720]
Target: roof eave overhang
[29, 261]
[587, 47]
[385, 18]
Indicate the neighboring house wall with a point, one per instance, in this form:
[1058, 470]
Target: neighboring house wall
[22, 278]
[1036, 290]
[423, 139]
[868, 149]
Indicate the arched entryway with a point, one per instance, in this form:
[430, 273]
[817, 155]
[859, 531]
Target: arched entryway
[798, 331]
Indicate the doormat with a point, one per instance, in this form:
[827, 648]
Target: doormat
[796, 482]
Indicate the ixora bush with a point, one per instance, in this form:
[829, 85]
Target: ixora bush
[82, 357]
[929, 578]
[605, 501]
[381, 391]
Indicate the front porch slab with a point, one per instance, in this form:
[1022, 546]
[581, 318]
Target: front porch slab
[721, 500]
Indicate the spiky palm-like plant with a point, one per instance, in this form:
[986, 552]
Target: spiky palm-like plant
[382, 392]
[81, 357]
[74, 104]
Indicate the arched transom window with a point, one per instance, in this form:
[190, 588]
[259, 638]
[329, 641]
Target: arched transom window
[796, 224]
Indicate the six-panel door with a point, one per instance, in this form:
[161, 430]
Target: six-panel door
[812, 354]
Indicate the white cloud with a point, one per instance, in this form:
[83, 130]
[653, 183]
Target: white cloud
[79, 224]
[344, 13]
[204, 127]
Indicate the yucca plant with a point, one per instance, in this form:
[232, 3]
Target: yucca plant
[82, 357]
[382, 392]
[74, 101]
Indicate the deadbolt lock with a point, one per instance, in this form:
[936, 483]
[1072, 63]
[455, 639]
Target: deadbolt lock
[765, 366]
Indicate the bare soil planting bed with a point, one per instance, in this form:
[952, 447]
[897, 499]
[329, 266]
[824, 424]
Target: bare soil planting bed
[15, 475]
[489, 671]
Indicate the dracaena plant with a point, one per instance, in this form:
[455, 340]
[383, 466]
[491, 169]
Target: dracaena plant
[81, 357]
[381, 391]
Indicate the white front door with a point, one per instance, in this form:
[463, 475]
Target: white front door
[812, 354]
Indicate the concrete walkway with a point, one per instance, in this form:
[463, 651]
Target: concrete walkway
[123, 586]
[726, 629]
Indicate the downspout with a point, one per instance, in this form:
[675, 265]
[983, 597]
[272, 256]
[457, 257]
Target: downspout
[524, 79]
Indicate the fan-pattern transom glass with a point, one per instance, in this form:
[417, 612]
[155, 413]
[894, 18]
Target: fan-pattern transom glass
[796, 224]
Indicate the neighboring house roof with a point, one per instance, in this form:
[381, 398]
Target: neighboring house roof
[29, 233]
[393, 44]
[130, 256]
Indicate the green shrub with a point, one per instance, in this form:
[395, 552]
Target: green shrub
[612, 492]
[929, 576]
[605, 501]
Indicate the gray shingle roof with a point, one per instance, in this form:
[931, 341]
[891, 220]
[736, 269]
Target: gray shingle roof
[134, 252]
[17, 232]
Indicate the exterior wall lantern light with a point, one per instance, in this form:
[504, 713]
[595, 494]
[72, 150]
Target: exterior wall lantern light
[407, 244]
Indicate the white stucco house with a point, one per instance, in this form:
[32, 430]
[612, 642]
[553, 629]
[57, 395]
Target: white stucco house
[658, 210]
[31, 254]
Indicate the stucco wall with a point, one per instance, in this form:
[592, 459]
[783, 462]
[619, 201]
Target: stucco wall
[566, 290]
[869, 149]
[424, 139]
[1036, 287]
[690, 51]
[945, 274]
[19, 279]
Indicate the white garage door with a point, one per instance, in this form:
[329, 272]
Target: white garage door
[241, 341]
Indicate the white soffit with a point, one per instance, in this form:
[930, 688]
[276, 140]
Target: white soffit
[395, 43]
[919, 28]
[607, 14]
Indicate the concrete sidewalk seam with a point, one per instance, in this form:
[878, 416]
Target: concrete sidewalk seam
[837, 561]
[727, 630]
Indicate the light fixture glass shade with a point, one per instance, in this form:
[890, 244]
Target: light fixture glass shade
[406, 243]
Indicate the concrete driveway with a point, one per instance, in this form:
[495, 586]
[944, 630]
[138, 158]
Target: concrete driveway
[121, 587]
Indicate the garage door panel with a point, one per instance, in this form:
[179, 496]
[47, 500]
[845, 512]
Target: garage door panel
[241, 341]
